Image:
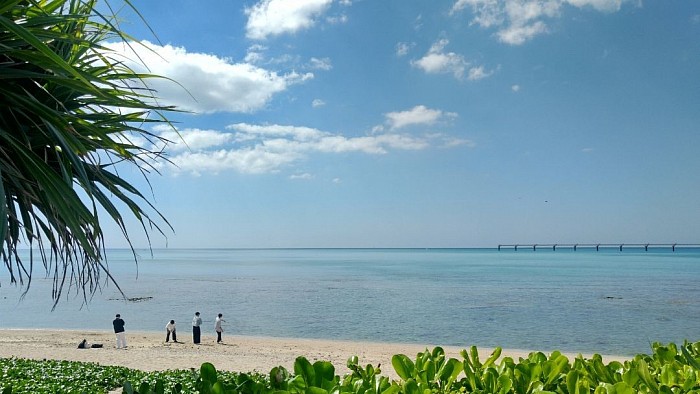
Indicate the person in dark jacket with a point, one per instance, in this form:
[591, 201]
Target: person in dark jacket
[118, 324]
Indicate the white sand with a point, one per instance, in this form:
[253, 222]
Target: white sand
[148, 351]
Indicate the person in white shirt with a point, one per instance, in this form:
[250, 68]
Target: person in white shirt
[196, 331]
[170, 329]
[218, 328]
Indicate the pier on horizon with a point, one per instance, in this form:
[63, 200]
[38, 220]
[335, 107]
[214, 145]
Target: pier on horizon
[598, 246]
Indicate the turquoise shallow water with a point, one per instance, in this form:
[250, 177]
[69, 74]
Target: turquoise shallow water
[607, 302]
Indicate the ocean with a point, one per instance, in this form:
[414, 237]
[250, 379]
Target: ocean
[607, 302]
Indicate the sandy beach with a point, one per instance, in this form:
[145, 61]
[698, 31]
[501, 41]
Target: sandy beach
[148, 351]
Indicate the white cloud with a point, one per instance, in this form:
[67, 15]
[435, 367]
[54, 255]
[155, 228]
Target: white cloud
[477, 73]
[321, 64]
[519, 34]
[418, 22]
[275, 17]
[255, 160]
[487, 13]
[304, 176]
[518, 21]
[452, 142]
[268, 148]
[436, 61]
[254, 57]
[192, 139]
[298, 133]
[600, 5]
[209, 83]
[403, 48]
[336, 20]
[515, 88]
[318, 103]
[418, 115]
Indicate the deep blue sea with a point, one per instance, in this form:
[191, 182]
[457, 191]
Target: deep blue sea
[608, 302]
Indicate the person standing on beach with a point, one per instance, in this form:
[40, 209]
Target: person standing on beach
[170, 329]
[218, 328]
[196, 331]
[118, 324]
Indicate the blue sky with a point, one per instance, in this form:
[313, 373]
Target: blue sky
[402, 123]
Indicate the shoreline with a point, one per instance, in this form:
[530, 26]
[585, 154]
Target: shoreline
[148, 351]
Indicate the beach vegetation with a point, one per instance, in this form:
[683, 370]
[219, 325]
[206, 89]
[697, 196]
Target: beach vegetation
[72, 114]
[669, 369]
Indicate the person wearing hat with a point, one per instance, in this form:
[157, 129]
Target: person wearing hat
[118, 324]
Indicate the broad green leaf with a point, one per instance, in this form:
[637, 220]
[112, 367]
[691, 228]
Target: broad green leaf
[392, 389]
[208, 373]
[303, 368]
[128, 388]
[692, 361]
[493, 357]
[572, 382]
[410, 387]
[505, 384]
[218, 388]
[645, 375]
[324, 370]
[403, 366]
[624, 388]
[144, 387]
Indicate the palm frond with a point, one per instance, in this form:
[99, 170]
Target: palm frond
[60, 91]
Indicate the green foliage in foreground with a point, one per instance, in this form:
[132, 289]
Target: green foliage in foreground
[669, 369]
[52, 376]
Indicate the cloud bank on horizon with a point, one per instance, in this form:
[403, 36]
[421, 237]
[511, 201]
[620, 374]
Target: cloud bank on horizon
[210, 84]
